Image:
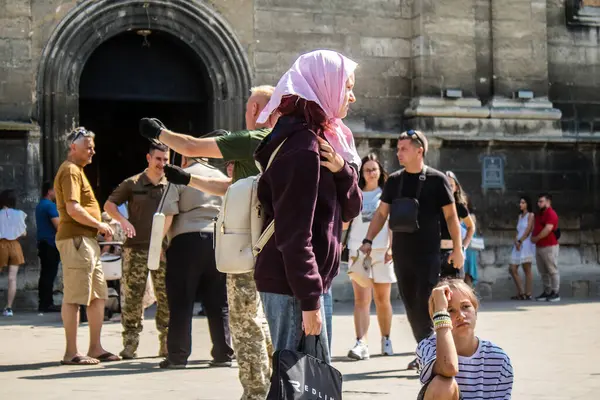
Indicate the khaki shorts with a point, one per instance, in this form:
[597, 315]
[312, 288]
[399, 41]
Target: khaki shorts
[82, 270]
[10, 253]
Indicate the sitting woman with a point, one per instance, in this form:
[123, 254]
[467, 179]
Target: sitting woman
[456, 364]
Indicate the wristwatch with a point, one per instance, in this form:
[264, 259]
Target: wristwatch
[367, 241]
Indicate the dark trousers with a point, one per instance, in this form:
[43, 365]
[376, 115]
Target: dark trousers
[417, 277]
[191, 269]
[49, 260]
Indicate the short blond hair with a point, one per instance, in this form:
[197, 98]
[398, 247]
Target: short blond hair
[456, 285]
[263, 90]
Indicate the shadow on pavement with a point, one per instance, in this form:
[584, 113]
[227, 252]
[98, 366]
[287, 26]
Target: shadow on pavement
[29, 367]
[114, 368]
[375, 375]
[345, 359]
[103, 369]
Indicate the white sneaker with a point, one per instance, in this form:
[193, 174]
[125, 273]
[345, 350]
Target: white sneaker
[386, 347]
[8, 312]
[360, 351]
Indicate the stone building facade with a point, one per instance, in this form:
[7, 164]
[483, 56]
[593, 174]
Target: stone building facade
[508, 92]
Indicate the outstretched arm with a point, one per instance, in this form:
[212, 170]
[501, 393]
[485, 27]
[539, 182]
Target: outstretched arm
[190, 146]
[214, 186]
[153, 129]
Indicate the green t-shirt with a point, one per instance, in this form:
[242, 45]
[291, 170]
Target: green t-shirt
[239, 147]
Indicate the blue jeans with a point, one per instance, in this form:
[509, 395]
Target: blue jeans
[284, 316]
[328, 302]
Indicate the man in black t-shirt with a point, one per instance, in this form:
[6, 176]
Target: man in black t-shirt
[417, 255]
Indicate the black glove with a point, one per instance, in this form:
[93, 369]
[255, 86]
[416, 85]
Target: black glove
[150, 128]
[176, 175]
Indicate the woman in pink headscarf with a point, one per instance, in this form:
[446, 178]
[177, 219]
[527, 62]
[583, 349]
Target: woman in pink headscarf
[309, 190]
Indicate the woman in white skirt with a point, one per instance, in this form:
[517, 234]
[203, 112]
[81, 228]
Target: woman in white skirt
[523, 251]
[372, 178]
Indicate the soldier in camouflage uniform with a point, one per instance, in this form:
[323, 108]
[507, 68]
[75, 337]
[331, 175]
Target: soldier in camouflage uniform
[143, 193]
[249, 328]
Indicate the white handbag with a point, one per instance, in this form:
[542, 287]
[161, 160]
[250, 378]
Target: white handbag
[360, 270]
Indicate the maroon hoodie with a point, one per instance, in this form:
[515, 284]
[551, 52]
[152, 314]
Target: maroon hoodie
[309, 203]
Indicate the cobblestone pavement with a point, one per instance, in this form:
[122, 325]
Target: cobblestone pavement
[554, 348]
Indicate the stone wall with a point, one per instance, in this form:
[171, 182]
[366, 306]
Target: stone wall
[17, 82]
[444, 52]
[574, 71]
[567, 172]
[519, 46]
[375, 33]
[530, 168]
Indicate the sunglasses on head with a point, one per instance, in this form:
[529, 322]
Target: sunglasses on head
[80, 132]
[415, 135]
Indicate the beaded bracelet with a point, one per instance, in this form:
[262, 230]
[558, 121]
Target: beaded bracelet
[441, 313]
[442, 322]
[445, 325]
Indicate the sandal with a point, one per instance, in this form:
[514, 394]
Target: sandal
[107, 357]
[527, 297]
[80, 360]
[520, 296]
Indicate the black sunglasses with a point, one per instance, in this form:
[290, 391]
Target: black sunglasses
[414, 134]
[79, 132]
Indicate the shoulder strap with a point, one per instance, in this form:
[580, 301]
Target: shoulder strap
[422, 177]
[270, 229]
[271, 158]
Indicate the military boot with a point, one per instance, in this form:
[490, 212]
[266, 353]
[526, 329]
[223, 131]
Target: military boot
[130, 345]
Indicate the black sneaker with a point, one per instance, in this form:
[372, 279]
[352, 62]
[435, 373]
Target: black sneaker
[220, 364]
[553, 297]
[543, 297]
[50, 309]
[167, 364]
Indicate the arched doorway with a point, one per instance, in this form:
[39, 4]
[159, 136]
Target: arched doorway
[94, 22]
[132, 75]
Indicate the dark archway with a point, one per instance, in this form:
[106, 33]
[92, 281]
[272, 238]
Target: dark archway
[93, 22]
[129, 77]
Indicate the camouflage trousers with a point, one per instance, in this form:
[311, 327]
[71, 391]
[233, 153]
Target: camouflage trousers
[133, 286]
[250, 336]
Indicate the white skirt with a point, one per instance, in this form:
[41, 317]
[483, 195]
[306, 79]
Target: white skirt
[525, 255]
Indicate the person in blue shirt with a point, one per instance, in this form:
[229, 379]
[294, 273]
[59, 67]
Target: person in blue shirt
[46, 218]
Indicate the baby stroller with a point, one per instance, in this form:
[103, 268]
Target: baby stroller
[112, 266]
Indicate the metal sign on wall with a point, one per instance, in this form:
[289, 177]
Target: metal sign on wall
[492, 173]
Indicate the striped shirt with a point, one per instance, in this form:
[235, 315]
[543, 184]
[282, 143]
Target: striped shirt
[487, 374]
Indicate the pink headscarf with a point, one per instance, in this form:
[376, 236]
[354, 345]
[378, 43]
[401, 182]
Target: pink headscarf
[320, 76]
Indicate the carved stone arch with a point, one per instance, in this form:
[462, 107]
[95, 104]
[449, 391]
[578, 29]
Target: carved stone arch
[92, 22]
